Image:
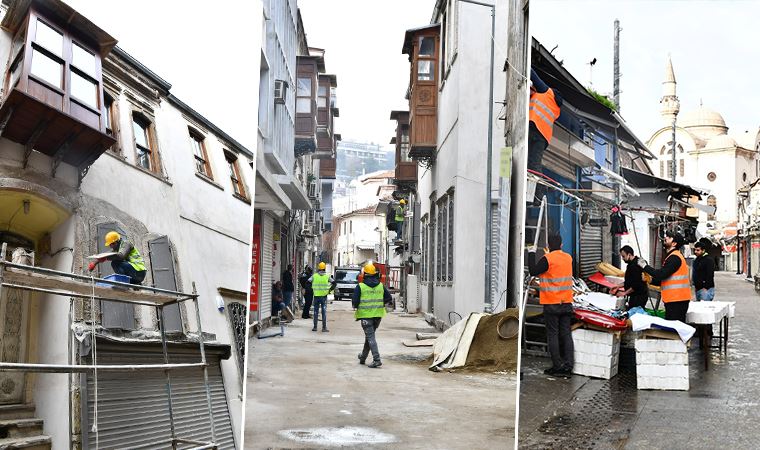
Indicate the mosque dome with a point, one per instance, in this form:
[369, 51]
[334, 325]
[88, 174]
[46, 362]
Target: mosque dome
[703, 122]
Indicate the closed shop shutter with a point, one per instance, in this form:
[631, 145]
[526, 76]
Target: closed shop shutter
[162, 269]
[133, 407]
[591, 249]
[265, 299]
[114, 314]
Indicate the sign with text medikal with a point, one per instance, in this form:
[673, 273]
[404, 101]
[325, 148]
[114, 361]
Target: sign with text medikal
[255, 252]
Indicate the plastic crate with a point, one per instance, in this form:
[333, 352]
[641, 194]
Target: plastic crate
[114, 277]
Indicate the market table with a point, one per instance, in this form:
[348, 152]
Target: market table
[703, 315]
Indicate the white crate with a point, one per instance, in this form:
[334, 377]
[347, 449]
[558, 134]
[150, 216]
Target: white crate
[662, 370]
[596, 353]
[662, 364]
[596, 360]
[663, 383]
[660, 345]
[595, 371]
[662, 358]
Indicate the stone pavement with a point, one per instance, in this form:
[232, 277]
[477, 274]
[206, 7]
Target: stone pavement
[720, 410]
[307, 390]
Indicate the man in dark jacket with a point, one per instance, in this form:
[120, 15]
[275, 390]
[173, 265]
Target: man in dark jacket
[369, 299]
[308, 293]
[634, 285]
[287, 285]
[702, 273]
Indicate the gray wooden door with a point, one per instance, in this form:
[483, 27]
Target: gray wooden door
[164, 277]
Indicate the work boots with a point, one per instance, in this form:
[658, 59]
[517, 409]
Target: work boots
[374, 364]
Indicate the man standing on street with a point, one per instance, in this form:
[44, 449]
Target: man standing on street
[369, 300]
[673, 278]
[321, 284]
[702, 274]
[634, 285]
[308, 293]
[555, 272]
[287, 286]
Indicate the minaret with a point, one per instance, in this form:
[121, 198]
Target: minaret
[669, 100]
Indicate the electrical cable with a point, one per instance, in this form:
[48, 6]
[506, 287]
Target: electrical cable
[94, 363]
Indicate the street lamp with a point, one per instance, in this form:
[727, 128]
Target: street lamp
[489, 157]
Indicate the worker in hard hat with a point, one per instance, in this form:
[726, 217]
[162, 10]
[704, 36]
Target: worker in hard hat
[321, 284]
[673, 277]
[127, 260]
[369, 300]
[399, 218]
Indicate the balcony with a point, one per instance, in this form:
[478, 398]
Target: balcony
[308, 68]
[53, 100]
[406, 168]
[421, 44]
[327, 168]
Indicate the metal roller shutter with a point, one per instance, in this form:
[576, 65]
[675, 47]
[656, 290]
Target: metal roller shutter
[495, 247]
[591, 250]
[265, 289]
[133, 409]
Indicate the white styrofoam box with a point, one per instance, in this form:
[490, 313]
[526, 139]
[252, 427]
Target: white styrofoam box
[663, 383]
[662, 370]
[596, 360]
[660, 345]
[597, 349]
[731, 308]
[595, 371]
[662, 358]
[706, 312]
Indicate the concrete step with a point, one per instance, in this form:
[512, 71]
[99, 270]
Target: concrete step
[17, 428]
[39, 442]
[16, 411]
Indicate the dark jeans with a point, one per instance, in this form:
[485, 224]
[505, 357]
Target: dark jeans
[637, 300]
[320, 302]
[676, 310]
[308, 296]
[399, 230]
[536, 146]
[125, 268]
[558, 334]
[370, 343]
[287, 297]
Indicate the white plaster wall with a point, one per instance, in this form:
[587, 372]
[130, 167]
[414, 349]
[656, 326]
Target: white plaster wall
[363, 231]
[641, 224]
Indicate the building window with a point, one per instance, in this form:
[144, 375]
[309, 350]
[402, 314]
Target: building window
[431, 243]
[711, 201]
[662, 169]
[423, 260]
[681, 167]
[404, 146]
[450, 243]
[145, 148]
[84, 85]
[202, 163]
[303, 96]
[322, 95]
[47, 55]
[439, 245]
[235, 177]
[112, 120]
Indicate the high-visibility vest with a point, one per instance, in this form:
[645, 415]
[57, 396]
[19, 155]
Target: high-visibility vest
[556, 284]
[543, 112]
[399, 213]
[371, 304]
[136, 260]
[676, 287]
[320, 284]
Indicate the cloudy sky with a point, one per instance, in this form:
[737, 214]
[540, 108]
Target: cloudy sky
[206, 53]
[363, 48]
[713, 45]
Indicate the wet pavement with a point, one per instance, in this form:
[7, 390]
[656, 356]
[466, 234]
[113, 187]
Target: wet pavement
[307, 390]
[720, 410]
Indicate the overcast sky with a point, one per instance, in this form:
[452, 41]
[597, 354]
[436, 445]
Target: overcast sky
[713, 45]
[204, 49]
[362, 41]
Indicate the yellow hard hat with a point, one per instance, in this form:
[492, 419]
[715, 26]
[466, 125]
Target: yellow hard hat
[369, 269]
[112, 237]
[403, 202]
[322, 266]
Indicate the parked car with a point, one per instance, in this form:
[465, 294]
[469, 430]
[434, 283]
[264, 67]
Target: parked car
[346, 280]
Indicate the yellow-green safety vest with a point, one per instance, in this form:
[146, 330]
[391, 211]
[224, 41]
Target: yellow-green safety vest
[320, 284]
[135, 260]
[371, 304]
[399, 213]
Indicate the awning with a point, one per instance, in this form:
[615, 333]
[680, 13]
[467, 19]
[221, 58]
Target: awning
[366, 245]
[642, 181]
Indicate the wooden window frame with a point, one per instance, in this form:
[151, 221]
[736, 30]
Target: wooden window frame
[236, 178]
[310, 96]
[150, 135]
[201, 159]
[326, 86]
[111, 116]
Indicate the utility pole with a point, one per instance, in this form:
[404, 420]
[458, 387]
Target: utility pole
[616, 67]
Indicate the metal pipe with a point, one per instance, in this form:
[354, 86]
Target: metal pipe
[86, 278]
[205, 366]
[77, 295]
[162, 329]
[78, 368]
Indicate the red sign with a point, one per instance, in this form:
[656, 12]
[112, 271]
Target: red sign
[756, 245]
[255, 250]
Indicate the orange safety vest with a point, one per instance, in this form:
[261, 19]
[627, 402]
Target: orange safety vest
[556, 284]
[543, 112]
[676, 288]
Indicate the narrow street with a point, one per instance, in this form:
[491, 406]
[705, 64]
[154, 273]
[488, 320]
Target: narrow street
[719, 410]
[307, 390]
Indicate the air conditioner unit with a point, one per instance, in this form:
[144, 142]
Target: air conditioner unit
[280, 91]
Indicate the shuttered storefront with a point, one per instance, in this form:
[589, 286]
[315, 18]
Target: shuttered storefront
[495, 253]
[267, 278]
[133, 410]
[591, 249]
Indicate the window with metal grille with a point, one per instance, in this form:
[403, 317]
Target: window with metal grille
[202, 164]
[450, 243]
[439, 245]
[424, 256]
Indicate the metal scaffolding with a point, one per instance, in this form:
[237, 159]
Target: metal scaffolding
[66, 284]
